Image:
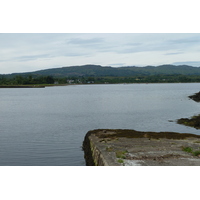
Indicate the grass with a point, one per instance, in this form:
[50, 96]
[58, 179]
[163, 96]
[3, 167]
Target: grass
[196, 153]
[187, 149]
[190, 150]
[121, 154]
[120, 161]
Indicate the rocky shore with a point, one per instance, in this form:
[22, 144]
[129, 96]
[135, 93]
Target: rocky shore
[195, 120]
[134, 148]
[195, 97]
[192, 122]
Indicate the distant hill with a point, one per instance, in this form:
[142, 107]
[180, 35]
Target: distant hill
[99, 71]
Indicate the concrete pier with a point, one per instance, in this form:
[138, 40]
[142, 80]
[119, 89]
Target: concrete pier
[134, 148]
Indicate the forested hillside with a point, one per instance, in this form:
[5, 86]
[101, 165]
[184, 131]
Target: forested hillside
[87, 74]
[99, 71]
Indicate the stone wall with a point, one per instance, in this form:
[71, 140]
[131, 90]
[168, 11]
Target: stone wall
[92, 154]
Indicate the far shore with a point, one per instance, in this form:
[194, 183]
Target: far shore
[32, 86]
[21, 86]
[54, 85]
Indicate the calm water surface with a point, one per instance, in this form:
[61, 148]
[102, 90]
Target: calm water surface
[46, 126]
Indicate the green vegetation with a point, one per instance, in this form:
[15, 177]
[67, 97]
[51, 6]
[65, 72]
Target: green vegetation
[99, 71]
[190, 150]
[147, 79]
[121, 154]
[35, 80]
[196, 153]
[96, 74]
[187, 149]
[120, 161]
[29, 80]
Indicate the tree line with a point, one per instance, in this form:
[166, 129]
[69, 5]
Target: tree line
[35, 80]
[29, 80]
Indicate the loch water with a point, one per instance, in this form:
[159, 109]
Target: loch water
[46, 126]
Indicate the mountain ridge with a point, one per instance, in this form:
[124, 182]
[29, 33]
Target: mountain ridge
[98, 70]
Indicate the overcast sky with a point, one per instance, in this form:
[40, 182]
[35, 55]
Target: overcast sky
[25, 52]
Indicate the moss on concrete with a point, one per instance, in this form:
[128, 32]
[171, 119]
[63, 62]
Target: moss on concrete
[116, 133]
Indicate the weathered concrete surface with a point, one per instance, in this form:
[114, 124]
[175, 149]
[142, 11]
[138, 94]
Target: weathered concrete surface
[134, 148]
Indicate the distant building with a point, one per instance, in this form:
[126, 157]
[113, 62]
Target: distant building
[70, 81]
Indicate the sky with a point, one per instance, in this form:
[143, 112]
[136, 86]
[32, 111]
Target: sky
[26, 52]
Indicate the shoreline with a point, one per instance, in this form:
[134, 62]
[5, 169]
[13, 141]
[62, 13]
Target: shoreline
[22, 86]
[55, 85]
[193, 121]
[32, 86]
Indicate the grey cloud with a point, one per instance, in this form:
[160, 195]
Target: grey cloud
[175, 53]
[80, 41]
[141, 48]
[161, 42]
[179, 45]
[71, 54]
[145, 43]
[43, 56]
[20, 40]
[185, 41]
[130, 48]
[134, 44]
[127, 50]
[192, 63]
[32, 57]
[97, 44]
[184, 44]
[3, 60]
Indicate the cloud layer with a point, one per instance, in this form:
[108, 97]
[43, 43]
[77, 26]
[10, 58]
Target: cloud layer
[31, 52]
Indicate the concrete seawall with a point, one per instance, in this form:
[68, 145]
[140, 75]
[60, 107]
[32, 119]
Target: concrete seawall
[94, 152]
[134, 148]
